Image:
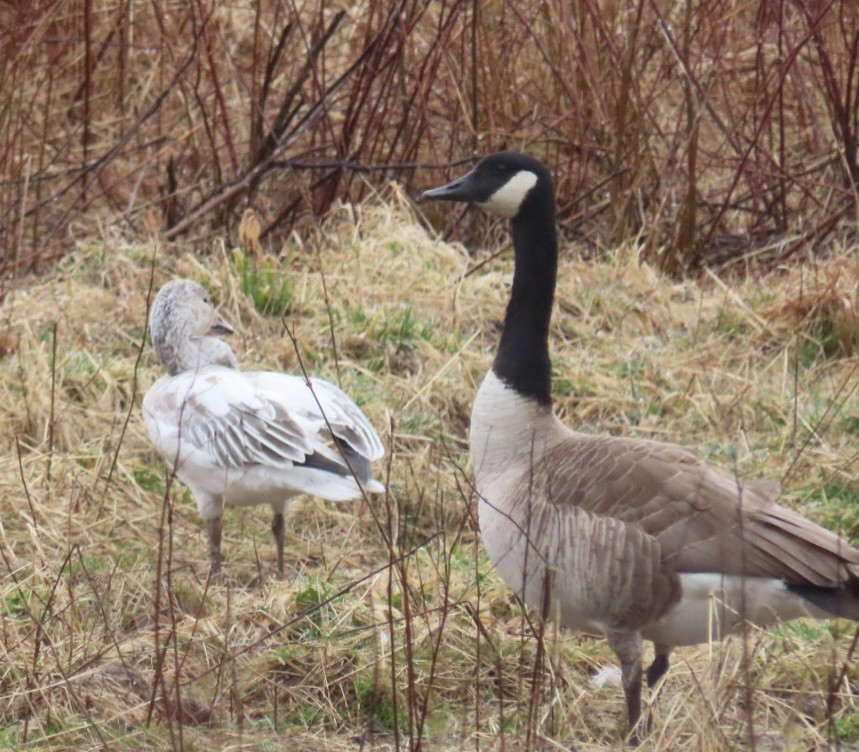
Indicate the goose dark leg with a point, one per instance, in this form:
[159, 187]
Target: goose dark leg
[277, 527]
[654, 673]
[628, 648]
[657, 669]
[213, 529]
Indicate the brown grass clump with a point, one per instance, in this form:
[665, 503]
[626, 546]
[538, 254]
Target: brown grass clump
[823, 305]
[392, 631]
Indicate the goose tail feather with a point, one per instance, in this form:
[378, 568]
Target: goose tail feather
[839, 603]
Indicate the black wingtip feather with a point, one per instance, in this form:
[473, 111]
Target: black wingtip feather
[841, 602]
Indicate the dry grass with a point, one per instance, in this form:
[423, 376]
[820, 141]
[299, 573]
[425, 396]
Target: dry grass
[111, 637]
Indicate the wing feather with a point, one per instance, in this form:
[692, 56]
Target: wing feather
[326, 408]
[231, 419]
[705, 519]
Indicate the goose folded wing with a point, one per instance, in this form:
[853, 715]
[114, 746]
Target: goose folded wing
[348, 423]
[323, 410]
[218, 418]
[705, 518]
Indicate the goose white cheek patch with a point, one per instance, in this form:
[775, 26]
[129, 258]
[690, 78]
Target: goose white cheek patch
[509, 197]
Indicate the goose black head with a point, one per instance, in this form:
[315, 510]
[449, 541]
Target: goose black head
[505, 183]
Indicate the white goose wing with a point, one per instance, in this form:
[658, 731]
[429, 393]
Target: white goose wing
[343, 440]
[321, 406]
[218, 419]
[214, 417]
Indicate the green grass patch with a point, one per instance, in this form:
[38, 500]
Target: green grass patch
[846, 727]
[266, 283]
[20, 603]
[310, 600]
[150, 478]
[376, 701]
[732, 323]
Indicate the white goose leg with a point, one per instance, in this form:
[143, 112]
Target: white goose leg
[213, 529]
[277, 528]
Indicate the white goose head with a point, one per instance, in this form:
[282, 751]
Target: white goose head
[505, 184]
[185, 329]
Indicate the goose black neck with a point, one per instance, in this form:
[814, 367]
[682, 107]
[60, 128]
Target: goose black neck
[522, 361]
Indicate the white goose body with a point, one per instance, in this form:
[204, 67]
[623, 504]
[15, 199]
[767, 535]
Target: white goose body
[631, 538]
[243, 438]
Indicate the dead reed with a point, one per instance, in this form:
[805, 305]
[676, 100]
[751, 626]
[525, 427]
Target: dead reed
[706, 130]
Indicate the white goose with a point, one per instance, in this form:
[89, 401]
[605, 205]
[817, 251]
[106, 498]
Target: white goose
[629, 538]
[253, 437]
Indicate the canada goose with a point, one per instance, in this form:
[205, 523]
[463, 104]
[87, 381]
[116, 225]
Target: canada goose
[253, 437]
[629, 538]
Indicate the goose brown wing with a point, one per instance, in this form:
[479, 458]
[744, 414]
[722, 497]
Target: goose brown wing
[705, 518]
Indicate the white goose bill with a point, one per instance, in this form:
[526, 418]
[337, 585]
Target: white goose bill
[221, 328]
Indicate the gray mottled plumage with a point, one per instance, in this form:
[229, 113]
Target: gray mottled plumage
[184, 328]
